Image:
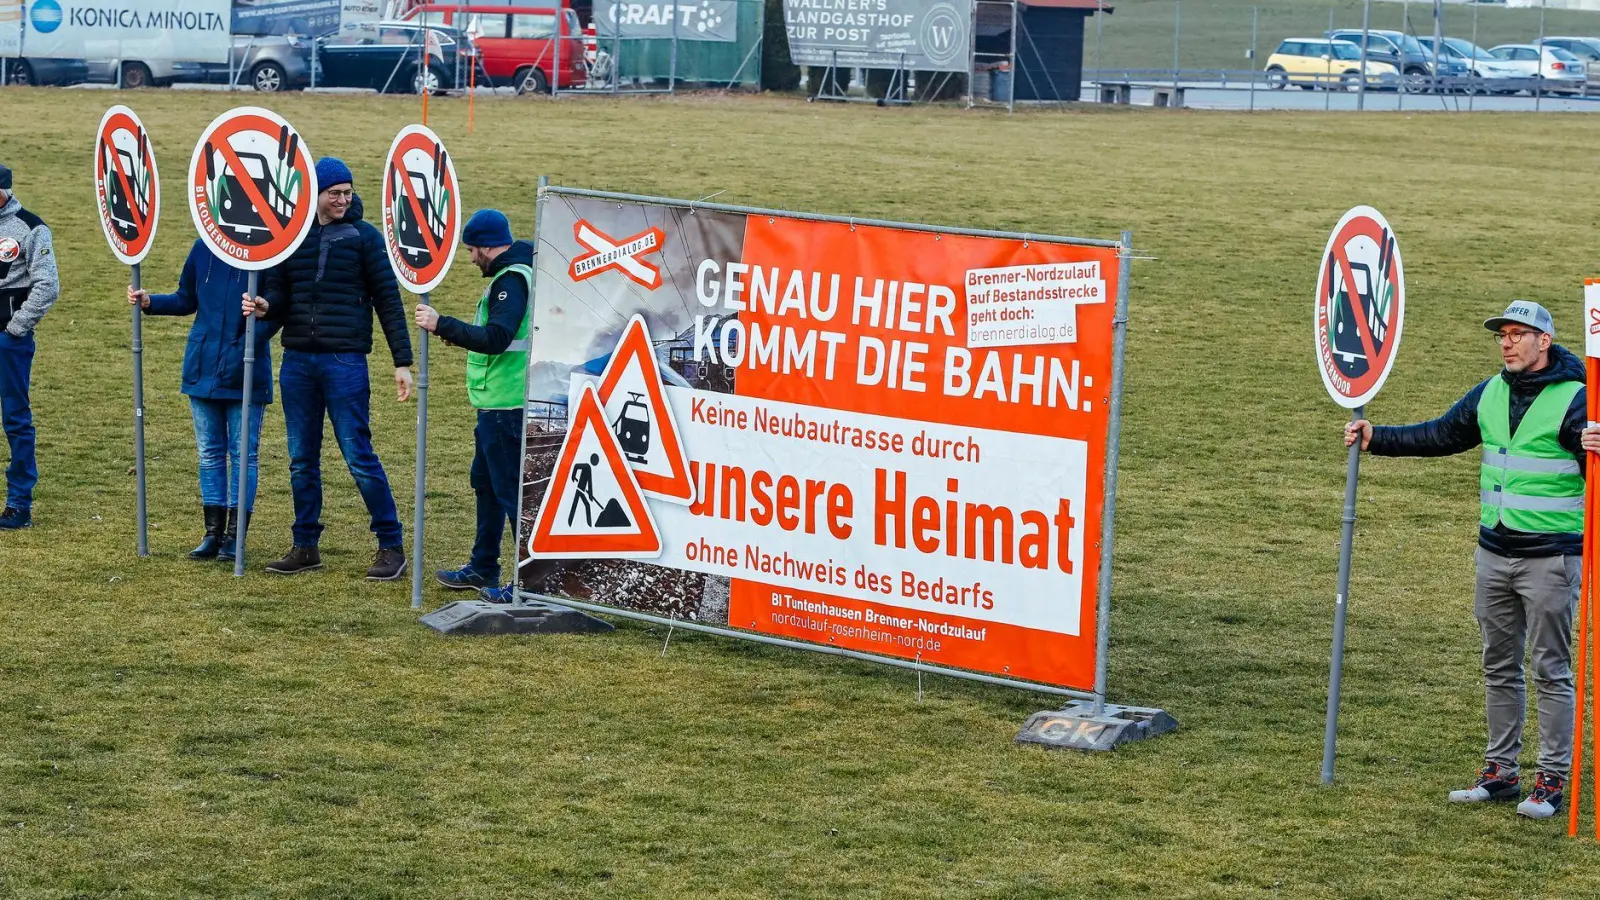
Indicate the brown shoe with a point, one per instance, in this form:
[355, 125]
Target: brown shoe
[297, 560]
[387, 565]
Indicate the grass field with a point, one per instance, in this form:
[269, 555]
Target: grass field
[169, 731]
[1214, 34]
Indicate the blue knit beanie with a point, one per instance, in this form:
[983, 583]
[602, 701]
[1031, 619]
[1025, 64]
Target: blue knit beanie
[487, 228]
[332, 172]
[5, 179]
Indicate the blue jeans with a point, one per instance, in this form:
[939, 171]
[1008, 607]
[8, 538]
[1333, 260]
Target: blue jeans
[335, 385]
[496, 471]
[16, 368]
[216, 435]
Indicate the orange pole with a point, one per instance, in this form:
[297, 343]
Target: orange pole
[1589, 627]
[1585, 604]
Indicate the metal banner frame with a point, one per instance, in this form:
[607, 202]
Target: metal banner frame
[1113, 446]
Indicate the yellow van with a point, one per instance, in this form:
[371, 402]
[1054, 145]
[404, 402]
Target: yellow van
[1330, 64]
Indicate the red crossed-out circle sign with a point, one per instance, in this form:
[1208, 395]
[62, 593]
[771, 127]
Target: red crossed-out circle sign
[252, 189]
[126, 187]
[1360, 308]
[421, 209]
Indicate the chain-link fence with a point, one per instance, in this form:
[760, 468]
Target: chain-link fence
[1456, 50]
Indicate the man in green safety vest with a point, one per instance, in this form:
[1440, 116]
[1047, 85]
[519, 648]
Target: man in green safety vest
[497, 366]
[1530, 421]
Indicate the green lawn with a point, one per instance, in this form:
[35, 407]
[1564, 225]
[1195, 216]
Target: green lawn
[1214, 34]
[169, 731]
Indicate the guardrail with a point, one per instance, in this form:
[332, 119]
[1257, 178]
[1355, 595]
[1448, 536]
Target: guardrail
[1251, 79]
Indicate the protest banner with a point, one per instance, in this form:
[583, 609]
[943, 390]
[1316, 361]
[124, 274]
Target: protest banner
[896, 436]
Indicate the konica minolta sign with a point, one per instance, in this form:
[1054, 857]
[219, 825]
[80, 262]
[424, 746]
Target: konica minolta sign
[190, 30]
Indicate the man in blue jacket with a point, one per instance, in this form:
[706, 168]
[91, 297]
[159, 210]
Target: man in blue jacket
[1531, 422]
[324, 297]
[497, 365]
[213, 380]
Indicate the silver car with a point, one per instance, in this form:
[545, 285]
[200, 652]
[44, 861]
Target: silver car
[266, 63]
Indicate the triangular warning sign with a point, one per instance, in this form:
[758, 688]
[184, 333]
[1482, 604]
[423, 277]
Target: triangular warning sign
[642, 420]
[592, 505]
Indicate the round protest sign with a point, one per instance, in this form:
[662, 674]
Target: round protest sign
[252, 188]
[421, 209]
[127, 189]
[1361, 293]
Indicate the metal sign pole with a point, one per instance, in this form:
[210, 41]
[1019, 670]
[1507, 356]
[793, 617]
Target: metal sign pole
[1330, 733]
[1177, 39]
[252, 286]
[1366, 35]
[138, 419]
[539, 200]
[1538, 66]
[1108, 513]
[1255, 35]
[672, 64]
[1327, 84]
[1476, 80]
[422, 463]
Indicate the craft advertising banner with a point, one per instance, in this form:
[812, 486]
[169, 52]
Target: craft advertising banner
[893, 440]
[148, 30]
[703, 20]
[923, 36]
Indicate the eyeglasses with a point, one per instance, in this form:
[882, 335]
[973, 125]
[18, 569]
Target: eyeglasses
[341, 195]
[1515, 337]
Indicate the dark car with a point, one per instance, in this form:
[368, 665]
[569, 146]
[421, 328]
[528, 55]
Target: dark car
[56, 72]
[138, 73]
[388, 56]
[1405, 53]
[268, 63]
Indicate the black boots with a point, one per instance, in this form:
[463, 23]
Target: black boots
[230, 536]
[216, 518]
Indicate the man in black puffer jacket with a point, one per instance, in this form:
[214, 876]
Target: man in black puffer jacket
[1530, 420]
[324, 296]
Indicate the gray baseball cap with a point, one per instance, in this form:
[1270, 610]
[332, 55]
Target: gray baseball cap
[1524, 312]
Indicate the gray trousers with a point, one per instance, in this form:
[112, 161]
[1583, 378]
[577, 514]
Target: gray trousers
[1528, 603]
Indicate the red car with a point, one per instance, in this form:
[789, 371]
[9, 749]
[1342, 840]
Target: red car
[518, 43]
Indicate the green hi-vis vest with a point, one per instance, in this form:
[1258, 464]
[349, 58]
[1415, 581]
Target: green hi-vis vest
[498, 381]
[1527, 480]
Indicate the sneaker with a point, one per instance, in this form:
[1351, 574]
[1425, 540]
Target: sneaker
[1495, 782]
[298, 559]
[387, 565]
[14, 518]
[465, 578]
[506, 594]
[1545, 799]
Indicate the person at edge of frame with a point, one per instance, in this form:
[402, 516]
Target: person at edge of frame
[29, 286]
[213, 380]
[497, 362]
[1531, 422]
[325, 295]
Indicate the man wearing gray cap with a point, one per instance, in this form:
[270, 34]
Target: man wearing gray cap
[1530, 421]
[28, 288]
